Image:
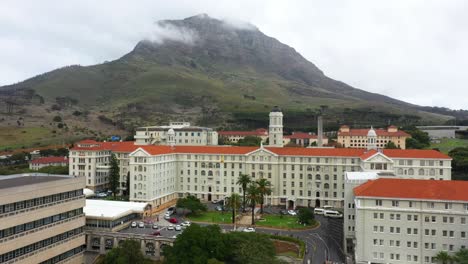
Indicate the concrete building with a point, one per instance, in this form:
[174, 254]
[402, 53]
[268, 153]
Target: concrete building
[358, 138]
[409, 221]
[42, 219]
[113, 215]
[300, 176]
[38, 163]
[235, 136]
[184, 134]
[303, 139]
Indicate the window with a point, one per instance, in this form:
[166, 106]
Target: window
[395, 203]
[378, 202]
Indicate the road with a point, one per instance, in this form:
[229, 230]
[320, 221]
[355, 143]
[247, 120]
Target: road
[323, 243]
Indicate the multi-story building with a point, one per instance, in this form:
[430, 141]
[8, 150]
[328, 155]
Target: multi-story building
[235, 136]
[184, 134]
[275, 129]
[42, 219]
[38, 163]
[358, 138]
[303, 139]
[408, 220]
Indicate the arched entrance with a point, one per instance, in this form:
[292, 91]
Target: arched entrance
[317, 203]
[290, 204]
[209, 197]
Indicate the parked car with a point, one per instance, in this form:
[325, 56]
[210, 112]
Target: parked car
[170, 227]
[186, 223]
[332, 214]
[141, 225]
[292, 212]
[178, 228]
[176, 235]
[167, 217]
[133, 224]
[171, 210]
[249, 230]
[101, 195]
[327, 207]
[319, 211]
[219, 208]
[156, 233]
[155, 226]
[173, 220]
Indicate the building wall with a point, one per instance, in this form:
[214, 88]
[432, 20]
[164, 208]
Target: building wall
[194, 137]
[361, 141]
[26, 221]
[408, 233]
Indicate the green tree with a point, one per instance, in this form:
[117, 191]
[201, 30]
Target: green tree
[128, 252]
[264, 188]
[234, 202]
[253, 196]
[197, 245]
[391, 145]
[57, 119]
[54, 170]
[250, 248]
[249, 141]
[114, 175]
[305, 216]
[191, 203]
[418, 139]
[243, 181]
[461, 256]
[443, 257]
[459, 163]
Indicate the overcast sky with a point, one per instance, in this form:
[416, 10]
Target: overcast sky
[412, 50]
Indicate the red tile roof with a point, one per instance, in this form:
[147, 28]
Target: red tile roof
[48, 160]
[414, 189]
[129, 146]
[368, 154]
[415, 153]
[302, 135]
[380, 132]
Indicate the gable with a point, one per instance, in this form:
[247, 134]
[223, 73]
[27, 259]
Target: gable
[139, 153]
[378, 157]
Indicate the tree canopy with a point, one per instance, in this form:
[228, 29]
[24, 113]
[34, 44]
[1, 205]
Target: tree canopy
[208, 244]
[459, 162]
[305, 216]
[127, 252]
[114, 175]
[249, 141]
[418, 140]
[191, 203]
[391, 145]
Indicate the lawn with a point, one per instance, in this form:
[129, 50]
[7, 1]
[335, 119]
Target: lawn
[214, 217]
[447, 144]
[16, 137]
[285, 221]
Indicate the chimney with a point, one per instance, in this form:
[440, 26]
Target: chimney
[320, 131]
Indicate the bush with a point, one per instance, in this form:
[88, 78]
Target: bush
[293, 240]
[57, 119]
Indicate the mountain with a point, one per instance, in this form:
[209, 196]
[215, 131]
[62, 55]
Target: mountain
[205, 70]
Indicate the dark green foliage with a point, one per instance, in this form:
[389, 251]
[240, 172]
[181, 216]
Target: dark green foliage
[128, 252]
[243, 181]
[60, 152]
[305, 216]
[301, 243]
[77, 113]
[459, 163]
[264, 189]
[60, 125]
[57, 119]
[54, 170]
[114, 175]
[391, 145]
[461, 256]
[200, 245]
[253, 196]
[249, 141]
[191, 203]
[418, 140]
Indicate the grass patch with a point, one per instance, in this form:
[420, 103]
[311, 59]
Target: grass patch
[213, 217]
[297, 241]
[285, 221]
[17, 137]
[447, 144]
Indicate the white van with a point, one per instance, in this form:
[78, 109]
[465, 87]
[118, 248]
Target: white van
[318, 211]
[327, 207]
[332, 214]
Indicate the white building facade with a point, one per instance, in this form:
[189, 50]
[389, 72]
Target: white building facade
[409, 221]
[184, 134]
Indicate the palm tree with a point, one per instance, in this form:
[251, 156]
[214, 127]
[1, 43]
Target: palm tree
[243, 180]
[443, 257]
[253, 195]
[234, 202]
[461, 256]
[264, 188]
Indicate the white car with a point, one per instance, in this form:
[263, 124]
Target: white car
[167, 217]
[155, 226]
[134, 224]
[186, 223]
[175, 236]
[249, 230]
[170, 227]
[141, 225]
[292, 212]
[319, 211]
[101, 195]
[332, 214]
[178, 228]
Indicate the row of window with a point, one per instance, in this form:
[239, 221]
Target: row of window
[431, 205]
[70, 253]
[38, 245]
[38, 223]
[12, 207]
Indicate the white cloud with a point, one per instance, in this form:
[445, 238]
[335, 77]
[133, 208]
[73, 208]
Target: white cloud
[165, 31]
